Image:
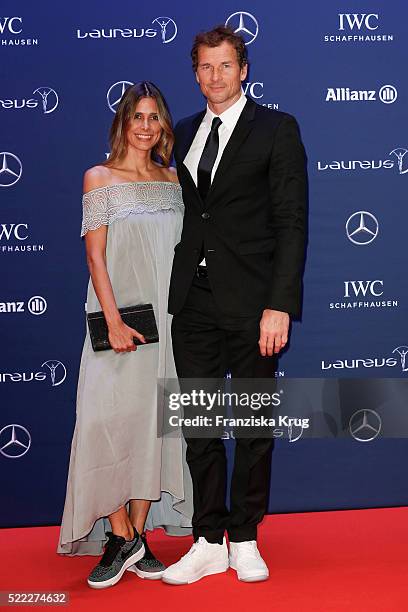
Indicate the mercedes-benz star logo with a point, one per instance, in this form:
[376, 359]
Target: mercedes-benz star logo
[362, 228]
[15, 441]
[115, 93]
[168, 28]
[399, 154]
[58, 371]
[365, 425]
[49, 99]
[402, 352]
[244, 24]
[11, 169]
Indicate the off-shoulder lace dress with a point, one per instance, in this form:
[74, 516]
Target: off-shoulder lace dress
[116, 454]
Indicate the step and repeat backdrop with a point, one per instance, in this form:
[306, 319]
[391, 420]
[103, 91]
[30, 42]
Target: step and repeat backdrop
[342, 73]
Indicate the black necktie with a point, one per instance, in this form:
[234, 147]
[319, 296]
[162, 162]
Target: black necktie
[207, 160]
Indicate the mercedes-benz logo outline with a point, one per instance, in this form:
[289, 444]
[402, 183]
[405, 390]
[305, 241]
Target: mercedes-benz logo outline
[365, 219]
[14, 441]
[242, 28]
[123, 86]
[7, 162]
[375, 425]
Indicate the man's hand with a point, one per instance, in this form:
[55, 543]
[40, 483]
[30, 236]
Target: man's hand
[274, 330]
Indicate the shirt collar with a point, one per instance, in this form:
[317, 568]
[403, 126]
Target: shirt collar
[230, 116]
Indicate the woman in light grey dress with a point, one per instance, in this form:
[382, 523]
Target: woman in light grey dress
[120, 471]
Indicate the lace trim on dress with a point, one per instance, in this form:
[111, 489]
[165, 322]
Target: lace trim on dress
[104, 205]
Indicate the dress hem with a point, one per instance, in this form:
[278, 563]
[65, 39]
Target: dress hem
[177, 500]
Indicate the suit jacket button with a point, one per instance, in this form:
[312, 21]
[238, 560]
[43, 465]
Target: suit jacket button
[205, 215]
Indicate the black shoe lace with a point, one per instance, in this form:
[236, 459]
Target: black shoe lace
[112, 547]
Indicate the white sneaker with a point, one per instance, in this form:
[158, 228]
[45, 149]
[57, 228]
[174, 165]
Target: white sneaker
[246, 559]
[203, 559]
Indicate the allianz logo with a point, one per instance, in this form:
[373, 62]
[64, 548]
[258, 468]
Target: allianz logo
[401, 359]
[398, 162]
[36, 305]
[386, 94]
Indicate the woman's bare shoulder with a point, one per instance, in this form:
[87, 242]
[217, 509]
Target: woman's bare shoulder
[96, 177]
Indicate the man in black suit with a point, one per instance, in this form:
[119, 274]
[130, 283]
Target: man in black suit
[236, 281]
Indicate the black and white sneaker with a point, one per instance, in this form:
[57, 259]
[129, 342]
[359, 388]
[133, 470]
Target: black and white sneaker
[148, 567]
[118, 556]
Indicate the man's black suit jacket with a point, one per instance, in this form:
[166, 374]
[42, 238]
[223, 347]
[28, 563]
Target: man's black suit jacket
[253, 221]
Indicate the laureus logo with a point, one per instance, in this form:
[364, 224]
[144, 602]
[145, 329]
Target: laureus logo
[49, 99]
[398, 161]
[402, 351]
[46, 99]
[165, 29]
[168, 29]
[400, 154]
[58, 371]
[400, 357]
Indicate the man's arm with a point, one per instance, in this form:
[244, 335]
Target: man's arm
[288, 190]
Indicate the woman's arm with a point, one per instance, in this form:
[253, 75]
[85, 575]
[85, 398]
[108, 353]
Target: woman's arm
[120, 335]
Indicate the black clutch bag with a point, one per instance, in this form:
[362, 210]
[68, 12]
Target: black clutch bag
[140, 317]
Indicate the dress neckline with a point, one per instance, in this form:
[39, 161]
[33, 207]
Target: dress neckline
[135, 183]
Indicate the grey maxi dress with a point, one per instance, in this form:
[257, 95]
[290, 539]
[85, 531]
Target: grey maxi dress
[116, 454]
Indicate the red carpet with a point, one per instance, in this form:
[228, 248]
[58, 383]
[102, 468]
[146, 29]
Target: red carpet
[320, 562]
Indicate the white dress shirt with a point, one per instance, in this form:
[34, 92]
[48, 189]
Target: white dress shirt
[229, 120]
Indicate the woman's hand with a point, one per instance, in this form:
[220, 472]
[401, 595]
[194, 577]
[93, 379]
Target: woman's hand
[121, 337]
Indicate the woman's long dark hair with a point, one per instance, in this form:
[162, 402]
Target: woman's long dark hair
[125, 113]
